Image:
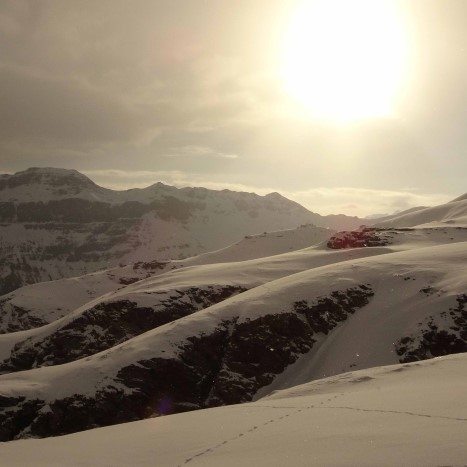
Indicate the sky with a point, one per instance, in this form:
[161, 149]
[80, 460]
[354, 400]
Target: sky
[351, 109]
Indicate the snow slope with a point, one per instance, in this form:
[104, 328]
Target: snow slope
[39, 304]
[165, 293]
[411, 414]
[400, 305]
[452, 213]
[163, 297]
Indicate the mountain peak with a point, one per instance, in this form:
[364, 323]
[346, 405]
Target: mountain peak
[52, 175]
[44, 183]
[274, 195]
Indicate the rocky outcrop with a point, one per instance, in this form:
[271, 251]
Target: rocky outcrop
[110, 323]
[17, 318]
[224, 366]
[327, 312]
[432, 340]
[40, 304]
[364, 237]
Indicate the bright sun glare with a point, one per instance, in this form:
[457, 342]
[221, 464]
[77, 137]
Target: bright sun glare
[345, 60]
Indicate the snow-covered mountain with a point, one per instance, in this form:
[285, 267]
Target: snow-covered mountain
[57, 223]
[39, 304]
[218, 333]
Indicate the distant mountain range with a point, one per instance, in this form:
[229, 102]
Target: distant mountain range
[57, 223]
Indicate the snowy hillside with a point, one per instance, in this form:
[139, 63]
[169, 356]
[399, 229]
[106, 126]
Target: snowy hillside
[223, 333]
[452, 213]
[56, 223]
[403, 415]
[255, 326]
[38, 304]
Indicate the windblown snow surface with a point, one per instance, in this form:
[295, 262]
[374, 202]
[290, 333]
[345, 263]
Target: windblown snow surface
[324, 355]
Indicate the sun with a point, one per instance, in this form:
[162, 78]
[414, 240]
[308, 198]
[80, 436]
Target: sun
[345, 60]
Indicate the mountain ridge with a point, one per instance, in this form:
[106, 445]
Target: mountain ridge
[452, 213]
[57, 223]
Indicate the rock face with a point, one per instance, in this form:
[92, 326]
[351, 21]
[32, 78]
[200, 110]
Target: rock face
[224, 366]
[57, 223]
[17, 318]
[435, 340]
[364, 237]
[40, 304]
[108, 324]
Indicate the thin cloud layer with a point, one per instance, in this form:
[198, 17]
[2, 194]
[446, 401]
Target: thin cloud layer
[332, 200]
[364, 202]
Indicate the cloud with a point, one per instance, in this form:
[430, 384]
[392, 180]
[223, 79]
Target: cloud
[199, 151]
[69, 78]
[362, 201]
[37, 106]
[15, 15]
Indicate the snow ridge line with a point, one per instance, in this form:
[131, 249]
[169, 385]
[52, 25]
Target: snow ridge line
[358, 409]
[398, 412]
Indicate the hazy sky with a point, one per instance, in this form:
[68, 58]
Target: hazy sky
[192, 92]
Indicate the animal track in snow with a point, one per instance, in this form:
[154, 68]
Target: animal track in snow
[254, 428]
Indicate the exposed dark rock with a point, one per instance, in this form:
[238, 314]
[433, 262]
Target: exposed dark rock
[16, 415]
[77, 210]
[327, 312]
[17, 319]
[128, 280]
[256, 351]
[7, 212]
[429, 290]
[110, 323]
[431, 341]
[226, 366]
[173, 208]
[88, 245]
[12, 280]
[365, 237]
[150, 266]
